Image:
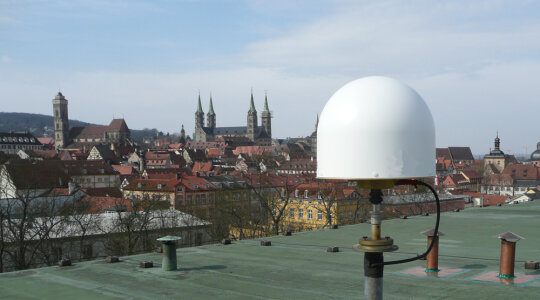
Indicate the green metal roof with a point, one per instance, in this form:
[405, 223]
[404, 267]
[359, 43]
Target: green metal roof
[252, 105]
[211, 109]
[299, 267]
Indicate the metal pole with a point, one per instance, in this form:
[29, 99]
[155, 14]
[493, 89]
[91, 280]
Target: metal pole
[373, 261]
[373, 272]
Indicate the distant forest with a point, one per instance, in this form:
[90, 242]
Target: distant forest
[42, 125]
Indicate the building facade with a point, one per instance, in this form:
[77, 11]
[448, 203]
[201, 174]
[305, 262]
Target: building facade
[496, 157]
[13, 142]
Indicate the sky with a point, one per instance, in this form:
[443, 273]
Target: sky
[475, 63]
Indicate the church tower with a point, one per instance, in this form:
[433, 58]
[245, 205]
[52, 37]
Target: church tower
[497, 143]
[182, 135]
[314, 139]
[199, 115]
[61, 121]
[266, 118]
[252, 127]
[211, 121]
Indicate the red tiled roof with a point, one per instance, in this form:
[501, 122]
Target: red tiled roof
[46, 154]
[118, 125]
[123, 170]
[461, 153]
[46, 140]
[442, 153]
[83, 132]
[471, 174]
[499, 179]
[100, 204]
[494, 199]
[199, 166]
[176, 146]
[152, 185]
[87, 167]
[213, 152]
[195, 183]
[103, 192]
[521, 172]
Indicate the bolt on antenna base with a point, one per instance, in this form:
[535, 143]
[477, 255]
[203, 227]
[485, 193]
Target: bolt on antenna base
[370, 245]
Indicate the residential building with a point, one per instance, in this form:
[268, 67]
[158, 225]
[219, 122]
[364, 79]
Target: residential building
[91, 173]
[11, 142]
[163, 191]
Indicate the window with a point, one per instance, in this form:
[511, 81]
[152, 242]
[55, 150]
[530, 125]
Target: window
[309, 214]
[300, 213]
[351, 216]
[296, 193]
[291, 213]
[306, 194]
[319, 215]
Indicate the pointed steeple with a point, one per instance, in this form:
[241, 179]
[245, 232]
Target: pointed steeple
[252, 104]
[199, 106]
[211, 109]
[266, 102]
[317, 123]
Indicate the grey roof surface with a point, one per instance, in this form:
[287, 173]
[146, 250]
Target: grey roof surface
[298, 266]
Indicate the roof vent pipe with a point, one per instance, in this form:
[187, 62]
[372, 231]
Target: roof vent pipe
[508, 254]
[168, 262]
[432, 265]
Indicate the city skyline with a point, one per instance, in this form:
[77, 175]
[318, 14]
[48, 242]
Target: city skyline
[473, 63]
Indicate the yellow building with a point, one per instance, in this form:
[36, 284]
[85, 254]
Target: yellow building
[496, 158]
[322, 205]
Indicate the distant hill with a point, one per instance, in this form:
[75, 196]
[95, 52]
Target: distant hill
[42, 125]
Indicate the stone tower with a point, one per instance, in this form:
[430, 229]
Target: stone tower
[61, 121]
[199, 115]
[266, 118]
[211, 121]
[182, 135]
[314, 139]
[252, 126]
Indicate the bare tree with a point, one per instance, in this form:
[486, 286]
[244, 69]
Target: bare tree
[129, 229]
[271, 195]
[30, 213]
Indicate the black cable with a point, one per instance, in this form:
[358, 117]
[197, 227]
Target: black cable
[435, 233]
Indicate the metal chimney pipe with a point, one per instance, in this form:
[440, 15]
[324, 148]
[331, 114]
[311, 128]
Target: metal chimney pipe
[168, 244]
[508, 257]
[432, 257]
[508, 254]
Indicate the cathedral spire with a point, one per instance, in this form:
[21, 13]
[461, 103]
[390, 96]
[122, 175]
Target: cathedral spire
[317, 123]
[199, 106]
[266, 102]
[252, 104]
[211, 109]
